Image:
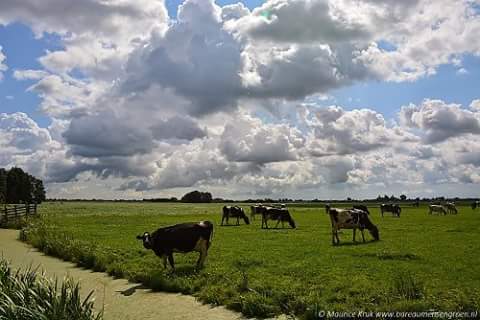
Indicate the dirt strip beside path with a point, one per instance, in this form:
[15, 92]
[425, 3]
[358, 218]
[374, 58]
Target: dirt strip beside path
[120, 299]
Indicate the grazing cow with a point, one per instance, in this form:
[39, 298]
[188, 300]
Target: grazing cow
[350, 219]
[361, 207]
[393, 208]
[436, 208]
[183, 237]
[475, 205]
[281, 215]
[234, 212]
[254, 210]
[450, 207]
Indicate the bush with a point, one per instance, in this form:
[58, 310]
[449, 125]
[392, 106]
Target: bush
[29, 295]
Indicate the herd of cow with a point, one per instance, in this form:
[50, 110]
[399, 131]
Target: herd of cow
[188, 237]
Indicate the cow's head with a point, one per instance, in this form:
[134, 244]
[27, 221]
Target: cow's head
[327, 208]
[147, 240]
[374, 232]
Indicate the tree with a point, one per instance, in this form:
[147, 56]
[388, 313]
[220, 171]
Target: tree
[197, 197]
[3, 185]
[21, 187]
[403, 197]
[38, 190]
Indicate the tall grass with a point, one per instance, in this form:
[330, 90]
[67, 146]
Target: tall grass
[29, 295]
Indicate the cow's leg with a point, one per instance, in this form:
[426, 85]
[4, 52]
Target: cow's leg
[336, 235]
[354, 231]
[363, 236]
[278, 222]
[238, 220]
[170, 260]
[223, 218]
[333, 235]
[202, 248]
[164, 257]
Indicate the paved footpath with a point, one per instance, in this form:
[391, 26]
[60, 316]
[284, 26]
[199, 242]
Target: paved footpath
[120, 299]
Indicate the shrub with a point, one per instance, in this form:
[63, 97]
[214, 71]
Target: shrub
[29, 295]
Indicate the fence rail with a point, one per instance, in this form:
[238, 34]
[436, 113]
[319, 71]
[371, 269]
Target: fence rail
[14, 212]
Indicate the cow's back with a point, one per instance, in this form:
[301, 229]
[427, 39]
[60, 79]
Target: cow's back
[182, 237]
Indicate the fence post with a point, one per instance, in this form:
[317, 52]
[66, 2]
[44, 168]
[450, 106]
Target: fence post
[16, 213]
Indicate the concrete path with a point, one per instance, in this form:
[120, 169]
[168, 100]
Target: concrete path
[120, 299]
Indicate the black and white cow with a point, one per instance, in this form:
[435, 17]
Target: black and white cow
[393, 208]
[361, 207]
[234, 212]
[436, 208]
[183, 237]
[254, 210]
[281, 215]
[451, 208]
[350, 219]
[475, 205]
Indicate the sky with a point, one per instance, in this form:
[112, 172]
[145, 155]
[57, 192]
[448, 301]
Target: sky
[278, 98]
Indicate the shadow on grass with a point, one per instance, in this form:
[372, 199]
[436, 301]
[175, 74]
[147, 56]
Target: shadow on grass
[356, 243]
[390, 256]
[130, 291]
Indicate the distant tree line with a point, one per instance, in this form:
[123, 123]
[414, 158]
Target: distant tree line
[197, 197]
[17, 186]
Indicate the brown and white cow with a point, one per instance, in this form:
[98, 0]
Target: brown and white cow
[350, 219]
[183, 237]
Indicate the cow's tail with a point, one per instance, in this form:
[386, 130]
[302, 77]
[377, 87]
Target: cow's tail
[208, 232]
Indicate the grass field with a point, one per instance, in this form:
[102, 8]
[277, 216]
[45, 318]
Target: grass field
[421, 262]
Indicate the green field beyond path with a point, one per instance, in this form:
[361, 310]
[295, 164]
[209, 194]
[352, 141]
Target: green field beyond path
[421, 262]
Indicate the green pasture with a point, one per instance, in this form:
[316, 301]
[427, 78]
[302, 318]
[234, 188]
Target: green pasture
[421, 262]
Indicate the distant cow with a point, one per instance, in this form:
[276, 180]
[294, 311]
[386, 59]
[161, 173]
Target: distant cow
[254, 210]
[393, 208]
[350, 219]
[234, 212]
[281, 215]
[183, 237]
[451, 208]
[436, 208]
[475, 205]
[361, 207]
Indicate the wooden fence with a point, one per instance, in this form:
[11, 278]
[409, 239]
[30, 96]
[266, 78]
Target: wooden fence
[16, 211]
